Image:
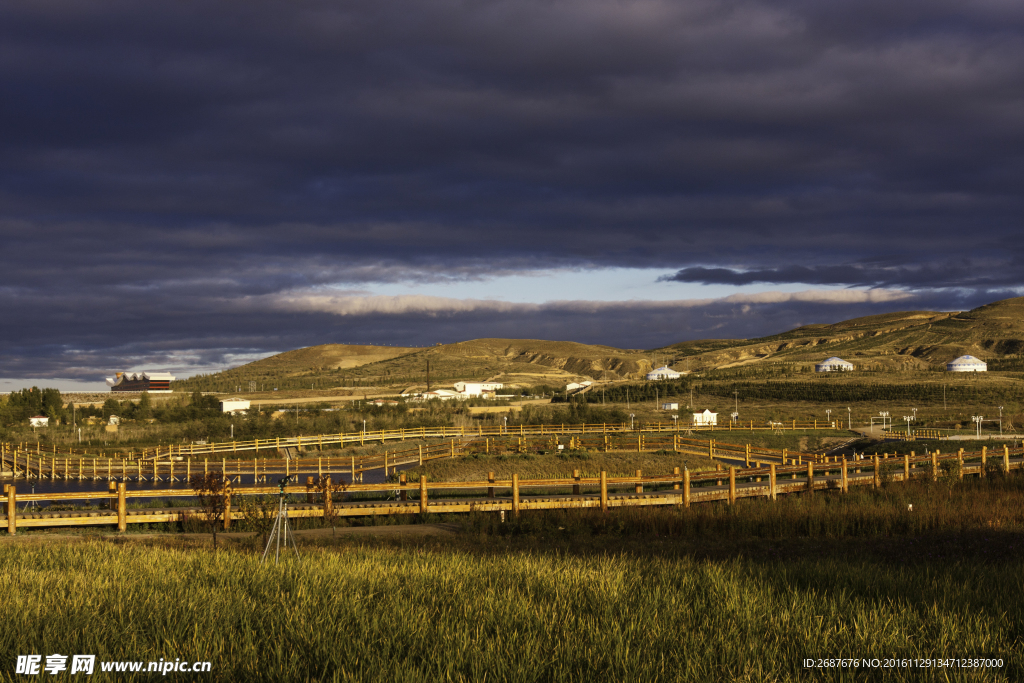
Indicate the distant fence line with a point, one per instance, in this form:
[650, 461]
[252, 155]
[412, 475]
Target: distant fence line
[319, 441]
[680, 488]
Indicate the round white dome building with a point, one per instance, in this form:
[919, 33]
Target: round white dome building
[967, 364]
[833, 364]
[664, 372]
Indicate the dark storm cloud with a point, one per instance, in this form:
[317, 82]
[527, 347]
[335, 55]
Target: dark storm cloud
[209, 332]
[992, 274]
[160, 161]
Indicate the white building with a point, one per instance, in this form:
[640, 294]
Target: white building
[39, 421]
[967, 364]
[664, 372]
[574, 387]
[477, 388]
[234, 405]
[670, 406]
[705, 418]
[833, 364]
[113, 420]
[443, 394]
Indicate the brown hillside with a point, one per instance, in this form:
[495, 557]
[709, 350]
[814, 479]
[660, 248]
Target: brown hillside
[905, 340]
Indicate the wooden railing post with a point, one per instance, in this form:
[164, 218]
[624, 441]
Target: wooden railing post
[576, 486]
[12, 509]
[1006, 459]
[604, 491]
[122, 508]
[490, 489]
[810, 477]
[935, 465]
[329, 496]
[732, 485]
[515, 495]
[675, 484]
[112, 489]
[686, 487]
[960, 462]
[845, 477]
[227, 507]
[309, 489]
[402, 493]
[984, 459]
[877, 476]
[639, 486]
[774, 490]
[906, 467]
[424, 505]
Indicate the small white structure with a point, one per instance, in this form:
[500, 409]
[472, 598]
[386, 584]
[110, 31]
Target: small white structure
[833, 364]
[477, 388]
[967, 364]
[664, 372]
[234, 405]
[705, 418]
[381, 402]
[670, 406]
[442, 394]
[575, 387]
[39, 421]
[113, 420]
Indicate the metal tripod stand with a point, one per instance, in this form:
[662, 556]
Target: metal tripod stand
[281, 530]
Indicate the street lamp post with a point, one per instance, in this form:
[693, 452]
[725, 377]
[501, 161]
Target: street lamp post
[977, 420]
[909, 419]
[675, 420]
[828, 416]
[849, 418]
[631, 416]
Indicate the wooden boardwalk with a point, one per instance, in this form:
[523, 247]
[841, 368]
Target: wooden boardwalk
[680, 488]
[35, 464]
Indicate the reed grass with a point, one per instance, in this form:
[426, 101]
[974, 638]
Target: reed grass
[710, 593]
[421, 614]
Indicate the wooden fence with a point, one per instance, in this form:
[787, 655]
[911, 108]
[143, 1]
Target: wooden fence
[680, 488]
[343, 439]
[30, 464]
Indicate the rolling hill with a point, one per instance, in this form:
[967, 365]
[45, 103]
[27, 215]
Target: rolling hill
[895, 341]
[899, 341]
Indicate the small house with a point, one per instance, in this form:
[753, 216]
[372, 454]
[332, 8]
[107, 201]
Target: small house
[234, 405]
[705, 418]
[39, 421]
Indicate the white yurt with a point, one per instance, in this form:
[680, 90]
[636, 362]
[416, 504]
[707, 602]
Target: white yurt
[967, 364]
[833, 364]
[664, 372]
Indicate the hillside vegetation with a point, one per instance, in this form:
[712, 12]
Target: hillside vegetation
[912, 340]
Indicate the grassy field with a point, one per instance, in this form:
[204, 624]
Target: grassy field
[711, 593]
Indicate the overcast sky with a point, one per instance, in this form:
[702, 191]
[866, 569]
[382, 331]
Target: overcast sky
[189, 185]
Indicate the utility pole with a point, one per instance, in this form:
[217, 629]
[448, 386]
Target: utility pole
[428, 374]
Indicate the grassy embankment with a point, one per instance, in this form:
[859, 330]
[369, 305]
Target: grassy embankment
[710, 593]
